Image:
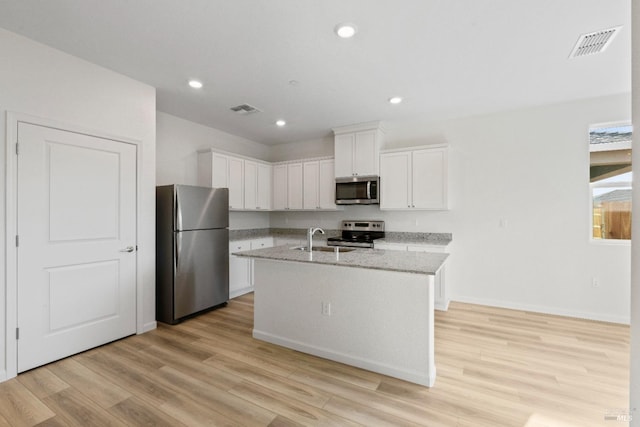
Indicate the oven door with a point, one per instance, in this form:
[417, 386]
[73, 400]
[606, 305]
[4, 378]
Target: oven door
[357, 191]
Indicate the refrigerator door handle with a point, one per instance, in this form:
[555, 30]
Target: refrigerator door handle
[178, 212]
[178, 241]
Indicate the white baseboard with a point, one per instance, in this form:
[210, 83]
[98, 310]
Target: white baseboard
[149, 326]
[3, 375]
[545, 310]
[238, 292]
[359, 362]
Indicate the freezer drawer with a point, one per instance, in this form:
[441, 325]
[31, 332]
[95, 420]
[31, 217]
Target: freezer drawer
[202, 270]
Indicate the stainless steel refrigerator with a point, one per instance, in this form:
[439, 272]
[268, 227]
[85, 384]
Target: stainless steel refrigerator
[192, 250]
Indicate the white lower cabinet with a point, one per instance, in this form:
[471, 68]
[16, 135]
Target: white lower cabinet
[240, 268]
[440, 290]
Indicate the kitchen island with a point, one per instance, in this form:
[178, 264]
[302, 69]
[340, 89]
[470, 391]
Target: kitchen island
[367, 308]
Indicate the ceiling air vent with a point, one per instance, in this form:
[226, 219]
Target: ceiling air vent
[245, 109]
[595, 42]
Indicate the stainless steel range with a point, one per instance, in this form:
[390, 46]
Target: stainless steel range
[358, 234]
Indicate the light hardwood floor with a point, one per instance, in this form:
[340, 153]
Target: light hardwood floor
[495, 367]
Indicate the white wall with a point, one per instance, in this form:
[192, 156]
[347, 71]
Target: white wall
[47, 83]
[178, 141]
[302, 150]
[530, 167]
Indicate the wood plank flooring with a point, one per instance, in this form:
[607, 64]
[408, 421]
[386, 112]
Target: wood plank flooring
[495, 367]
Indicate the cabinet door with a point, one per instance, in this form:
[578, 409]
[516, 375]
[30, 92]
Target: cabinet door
[294, 185]
[327, 185]
[213, 170]
[220, 171]
[395, 188]
[264, 187]
[239, 269]
[429, 176]
[264, 242]
[280, 184]
[236, 183]
[310, 199]
[365, 153]
[250, 184]
[343, 149]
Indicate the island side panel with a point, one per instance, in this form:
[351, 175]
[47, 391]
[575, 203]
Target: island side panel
[379, 320]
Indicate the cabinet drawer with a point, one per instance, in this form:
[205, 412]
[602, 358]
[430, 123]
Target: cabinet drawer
[265, 242]
[239, 245]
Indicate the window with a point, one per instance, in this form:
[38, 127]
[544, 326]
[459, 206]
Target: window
[610, 182]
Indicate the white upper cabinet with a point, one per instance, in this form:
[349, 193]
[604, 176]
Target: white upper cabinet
[414, 179]
[327, 185]
[257, 186]
[279, 200]
[264, 186]
[311, 180]
[294, 186]
[395, 183]
[357, 150]
[287, 186]
[236, 183]
[319, 185]
[248, 181]
[250, 184]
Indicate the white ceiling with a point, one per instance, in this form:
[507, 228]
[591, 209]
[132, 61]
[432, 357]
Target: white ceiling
[447, 58]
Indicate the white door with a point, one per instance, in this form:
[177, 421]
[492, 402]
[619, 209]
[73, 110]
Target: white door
[77, 237]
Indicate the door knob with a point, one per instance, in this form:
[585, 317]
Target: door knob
[127, 249]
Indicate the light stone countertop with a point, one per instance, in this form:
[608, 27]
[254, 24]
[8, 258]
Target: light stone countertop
[440, 239]
[407, 262]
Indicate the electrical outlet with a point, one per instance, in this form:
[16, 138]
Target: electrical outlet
[595, 282]
[326, 308]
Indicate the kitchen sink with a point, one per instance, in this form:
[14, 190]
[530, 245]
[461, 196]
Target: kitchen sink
[324, 249]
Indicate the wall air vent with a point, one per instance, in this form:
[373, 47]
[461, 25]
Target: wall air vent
[245, 109]
[595, 42]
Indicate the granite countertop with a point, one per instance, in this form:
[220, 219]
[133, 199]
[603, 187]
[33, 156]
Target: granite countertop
[292, 233]
[406, 262]
[440, 239]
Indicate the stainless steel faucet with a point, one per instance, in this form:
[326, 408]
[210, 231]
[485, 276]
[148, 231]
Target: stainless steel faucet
[310, 234]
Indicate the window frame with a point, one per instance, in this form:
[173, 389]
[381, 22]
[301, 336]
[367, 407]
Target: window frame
[612, 184]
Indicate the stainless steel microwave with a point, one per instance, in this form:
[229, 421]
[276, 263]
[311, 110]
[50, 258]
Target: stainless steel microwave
[358, 190]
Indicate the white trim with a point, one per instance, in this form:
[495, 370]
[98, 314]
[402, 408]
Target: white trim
[360, 362]
[414, 148]
[11, 302]
[358, 127]
[543, 309]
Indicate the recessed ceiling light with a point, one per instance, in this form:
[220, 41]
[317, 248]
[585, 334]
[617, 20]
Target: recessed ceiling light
[281, 123]
[195, 84]
[395, 100]
[345, 31]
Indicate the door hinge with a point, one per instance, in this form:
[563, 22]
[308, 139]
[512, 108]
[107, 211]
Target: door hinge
[17, 148]
[17, 240]
[17, 333]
